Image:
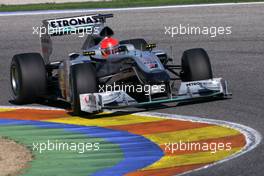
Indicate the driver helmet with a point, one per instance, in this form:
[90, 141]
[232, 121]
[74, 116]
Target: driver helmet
[108, 46]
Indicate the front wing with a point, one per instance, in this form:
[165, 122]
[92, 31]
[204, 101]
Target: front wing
[188, 91]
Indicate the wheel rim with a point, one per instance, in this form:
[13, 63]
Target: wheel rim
[14, 80]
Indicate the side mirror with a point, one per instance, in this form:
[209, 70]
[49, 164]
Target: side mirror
[150, 46]
[89, 53]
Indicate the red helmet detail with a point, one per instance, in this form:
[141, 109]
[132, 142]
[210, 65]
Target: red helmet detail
[107, 46]
[109, 42]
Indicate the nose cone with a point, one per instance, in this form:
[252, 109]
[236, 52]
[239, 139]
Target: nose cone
[154, 77]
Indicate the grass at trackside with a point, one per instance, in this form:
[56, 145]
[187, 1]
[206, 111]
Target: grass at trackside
[111, 4]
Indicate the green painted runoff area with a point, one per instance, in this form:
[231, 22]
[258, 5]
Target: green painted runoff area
[63, 162]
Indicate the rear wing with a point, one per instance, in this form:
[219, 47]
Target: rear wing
[75, 24]
[88, 24]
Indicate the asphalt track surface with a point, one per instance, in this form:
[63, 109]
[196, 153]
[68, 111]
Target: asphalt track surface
[237, 57]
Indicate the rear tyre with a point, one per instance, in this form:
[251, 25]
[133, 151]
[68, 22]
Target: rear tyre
[196, 65]
[27, 77]
[139, 43]
[83, 80]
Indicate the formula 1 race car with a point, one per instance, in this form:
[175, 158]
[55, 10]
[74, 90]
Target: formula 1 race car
[109, 73]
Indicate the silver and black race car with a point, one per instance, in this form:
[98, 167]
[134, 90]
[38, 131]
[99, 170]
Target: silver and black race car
[130, 73]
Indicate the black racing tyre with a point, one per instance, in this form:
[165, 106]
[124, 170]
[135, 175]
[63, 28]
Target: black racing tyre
[28, 77]
[138, 43]
[196, 65]
[83, 80]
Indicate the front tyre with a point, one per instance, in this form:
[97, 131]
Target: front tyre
[83, 80]
[27, 77]
[196, 65]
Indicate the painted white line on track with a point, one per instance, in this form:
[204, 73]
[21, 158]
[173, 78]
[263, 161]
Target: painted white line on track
[39, 12]
[253, 137]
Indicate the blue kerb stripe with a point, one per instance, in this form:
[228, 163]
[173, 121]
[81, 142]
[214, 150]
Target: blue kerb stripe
[139, 152]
